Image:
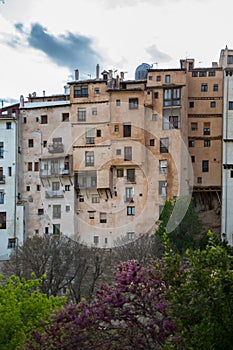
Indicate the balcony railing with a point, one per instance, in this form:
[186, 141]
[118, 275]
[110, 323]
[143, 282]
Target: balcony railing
[56, 148]
[2, 179]
[129, 199]
[54, 172]
[54, 194]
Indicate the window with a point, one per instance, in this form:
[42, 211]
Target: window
[67, 208]
[44, 119]
[118, 103]
[191, 143]
[212, 73]
[38, 187]
[229, 59]
[150, 77]
[55, 186]
[204, 87]
[193, 159]
[25, 120]
[171, 97]
[41, 211]
[30, 143]
[156, 95]
[93, 181]
[202, 73]
[36, 166]
[158, 78]
[126, 130]
[152, 142]
[11, 243]
[56, 211]
[89, 158]
[2, 177]
[120, 172]
[2, 220]
[82, 114]
[215, 87]
[90, 136]
[131, 236]
[130, 175]
[206, 143]
[195, 74]
[199, 180]
[29, 166]
[103, 218]
[8, 125]
[46, 230]
[205, 166]
[174, 122]
[191, 104]
[206, 129]
[81, 199]
[130, 210]
[96, 91]
[95, 198]
[164, 145]
[9, 171]
[94, 111]
[212, 104]
[127, 153]
[230, 104]
[96, 240]
[28, 188]
[1, 150]
[118, 152]
[163, 188]
[67, 188]
[56, 229]
[154, 117]
[194, 126]
[91, 214]
[1, 197]
[44, 144]
[129, 194]
[167, 78]
[65, 117]
[133, 103]
[163, 166]
[81, 91]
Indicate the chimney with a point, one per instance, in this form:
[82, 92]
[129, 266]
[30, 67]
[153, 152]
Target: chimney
[76, 74]
[117, 82]
[122, 75]
[21, 101]
[97, 71]
[43, 93]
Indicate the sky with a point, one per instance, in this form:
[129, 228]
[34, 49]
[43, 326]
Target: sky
[42, 42]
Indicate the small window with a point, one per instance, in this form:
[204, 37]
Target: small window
[2, 220]
[199, 180]
[11, 243]
[206, 143]
[67, 208]
[194, 126]
[94, 111]
[152, 142]
[96, 240]
[30, 143]
[97, 91]
[36, 166]
[95, 198]
[67, 187]
[29, 166]
[118, 103]
[1, 197]
[163, 166]
[65, 117]
[212, 104]
[81, 198]
[195, 74]
[164, 142]
[229, 59]
[130, 211]
[1, 149]
[202, 73]
[212, 73]
[206, 129]
[163, 188]
[131, 236]
[89, 158]
[130, 175]
[44, 119]
[215, 87]
[44, 144]
[150, 77]
[28, 188]
[191, 104]
[55, 186]
[9, 171]
[46, 230]
[204, 87]
[156, 95]
[191, 143]
[193, 159]
[116, 128]
[205, 166]
[230, 104]
[158, 78]
[127, 153]
[133, 103]
[103, 218]
[41, 211]
[154, 117]
[231, 174]
[127, 130]
[120, 172]
[56, 229]
[38, 187]
[118, 152]
[56, 211]
[167, 78]
[25, 120]
[98, 133]
[8, 125]
[91, 214]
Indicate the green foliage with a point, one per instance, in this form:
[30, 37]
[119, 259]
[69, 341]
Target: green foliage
[201, 296]
[22, 308]
[181, 223]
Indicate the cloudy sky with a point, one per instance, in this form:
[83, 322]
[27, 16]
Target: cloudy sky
[42, 42]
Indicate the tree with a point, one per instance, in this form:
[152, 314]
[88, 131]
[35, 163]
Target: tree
[181, 223]
[131, 314]
[22, 308]
[201, 296]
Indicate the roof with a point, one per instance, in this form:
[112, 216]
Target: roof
[43, 104]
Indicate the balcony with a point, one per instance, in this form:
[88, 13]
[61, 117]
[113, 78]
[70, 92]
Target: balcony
[54, 172]
[2, 179]
[56, 148]
[54, 194]
[129, 199]
[85, 180]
